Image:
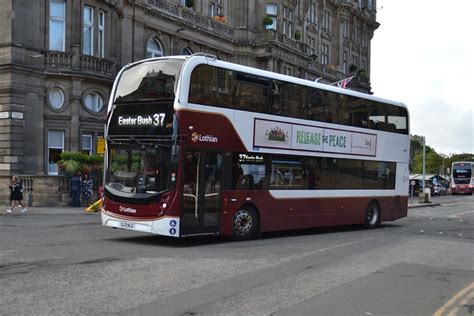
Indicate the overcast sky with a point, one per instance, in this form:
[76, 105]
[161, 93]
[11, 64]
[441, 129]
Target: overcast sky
[423, 56]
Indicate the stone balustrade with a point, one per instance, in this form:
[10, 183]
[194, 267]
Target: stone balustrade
[62, 61]
[39, 190]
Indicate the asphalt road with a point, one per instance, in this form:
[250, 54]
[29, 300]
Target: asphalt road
[63, 263]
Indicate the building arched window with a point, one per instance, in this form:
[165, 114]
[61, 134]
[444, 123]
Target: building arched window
[186, 51]
[153, 49]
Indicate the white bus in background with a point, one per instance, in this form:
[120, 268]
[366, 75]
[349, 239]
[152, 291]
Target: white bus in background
[462, 177]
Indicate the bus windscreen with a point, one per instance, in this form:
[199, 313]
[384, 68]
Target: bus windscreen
[149, 81]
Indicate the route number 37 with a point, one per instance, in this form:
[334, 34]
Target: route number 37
[159, 119]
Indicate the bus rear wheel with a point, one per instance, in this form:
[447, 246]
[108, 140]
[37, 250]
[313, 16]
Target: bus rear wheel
[245, 224]
[372, 215]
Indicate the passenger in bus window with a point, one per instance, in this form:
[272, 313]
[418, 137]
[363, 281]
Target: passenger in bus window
[237, 173]
[149, 167]
[313, 179]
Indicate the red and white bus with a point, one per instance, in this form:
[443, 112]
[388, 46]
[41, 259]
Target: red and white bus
[462, 177]
[195, 145]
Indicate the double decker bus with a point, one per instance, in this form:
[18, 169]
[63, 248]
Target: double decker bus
[195, 146]
[462, 177]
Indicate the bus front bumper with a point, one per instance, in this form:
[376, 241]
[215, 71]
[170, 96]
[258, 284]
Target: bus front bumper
[166, 226]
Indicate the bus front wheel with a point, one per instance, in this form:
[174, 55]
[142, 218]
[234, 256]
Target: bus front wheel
[372, 215]
[245, 224]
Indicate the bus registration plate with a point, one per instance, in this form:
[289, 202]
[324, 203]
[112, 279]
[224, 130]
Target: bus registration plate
[127, 225]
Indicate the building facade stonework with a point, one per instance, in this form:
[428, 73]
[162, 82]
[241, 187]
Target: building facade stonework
[58, 58]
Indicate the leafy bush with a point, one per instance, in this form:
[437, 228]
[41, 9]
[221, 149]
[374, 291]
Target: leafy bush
[66, 155]
[267, 21]
[297, 35]
[71, 166]
[72, 162]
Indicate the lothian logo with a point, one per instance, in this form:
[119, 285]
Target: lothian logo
[124, 209]
[195, 137]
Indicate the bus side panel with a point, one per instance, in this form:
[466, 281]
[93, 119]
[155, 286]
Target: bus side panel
[394, 208]
[209, 130]
[286, 214]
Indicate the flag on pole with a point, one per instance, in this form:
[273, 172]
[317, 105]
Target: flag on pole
[343, 82]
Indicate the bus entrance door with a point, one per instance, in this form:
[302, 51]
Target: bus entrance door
[201, 192]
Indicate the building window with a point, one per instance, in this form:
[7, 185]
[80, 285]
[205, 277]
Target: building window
[88, 31]
[364, 40]
[55, 148]
[356, 34]
[215, 8]
[355, 60]
[272, 13]
[56, 98]
[186, 51]
[57, 25]
[287, 22]
[86, 144]
[312, 45]
[153, 49]
[370, 4]
[345, 28]
[326, 20]
[93, 101]
[101, 35]
[312, 13]
[344, 62]
[324, 54]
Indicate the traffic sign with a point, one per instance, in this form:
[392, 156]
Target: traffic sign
[100, 145]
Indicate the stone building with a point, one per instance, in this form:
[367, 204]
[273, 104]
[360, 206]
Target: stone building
[58, 58]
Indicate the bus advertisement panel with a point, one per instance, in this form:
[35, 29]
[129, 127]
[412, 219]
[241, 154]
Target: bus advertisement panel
[198, 146]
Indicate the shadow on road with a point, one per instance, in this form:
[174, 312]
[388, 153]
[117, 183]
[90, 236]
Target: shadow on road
[196, 241]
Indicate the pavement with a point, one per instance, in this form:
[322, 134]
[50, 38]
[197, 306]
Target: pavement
[415, 203]
[44, 210]
[67, 210]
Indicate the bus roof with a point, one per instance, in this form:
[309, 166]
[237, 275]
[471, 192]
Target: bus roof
[202, 58]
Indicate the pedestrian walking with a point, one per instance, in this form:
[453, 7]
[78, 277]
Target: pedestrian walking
[16, 195]
[75, 189]
[86, 190]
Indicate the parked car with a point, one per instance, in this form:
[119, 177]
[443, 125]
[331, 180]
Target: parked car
[439, 190]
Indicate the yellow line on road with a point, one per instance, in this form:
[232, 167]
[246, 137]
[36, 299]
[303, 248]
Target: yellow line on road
[453, 301]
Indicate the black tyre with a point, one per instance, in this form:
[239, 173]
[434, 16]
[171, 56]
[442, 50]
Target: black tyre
[245, 224]
[372, 215]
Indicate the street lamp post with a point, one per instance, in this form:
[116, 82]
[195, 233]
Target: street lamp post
[424, 163]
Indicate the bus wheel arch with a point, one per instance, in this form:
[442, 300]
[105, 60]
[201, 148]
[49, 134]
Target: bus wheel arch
[246, 222]
[373, 214]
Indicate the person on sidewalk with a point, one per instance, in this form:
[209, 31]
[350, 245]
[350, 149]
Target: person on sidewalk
[16, 195]
[86, 190]
[75, 189]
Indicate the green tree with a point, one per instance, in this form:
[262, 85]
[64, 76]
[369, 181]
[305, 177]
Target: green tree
[416, 147]
[433, 160]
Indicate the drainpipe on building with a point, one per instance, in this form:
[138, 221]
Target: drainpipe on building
[133, 32]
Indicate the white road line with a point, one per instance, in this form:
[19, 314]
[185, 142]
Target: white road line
[457, 215]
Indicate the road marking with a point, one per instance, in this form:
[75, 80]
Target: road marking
[447, 308]
[456, 215]
[451, 204]
[4, 253]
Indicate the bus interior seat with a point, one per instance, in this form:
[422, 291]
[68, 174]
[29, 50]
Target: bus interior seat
[381, 126]
[391, 127]
[245, 182]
